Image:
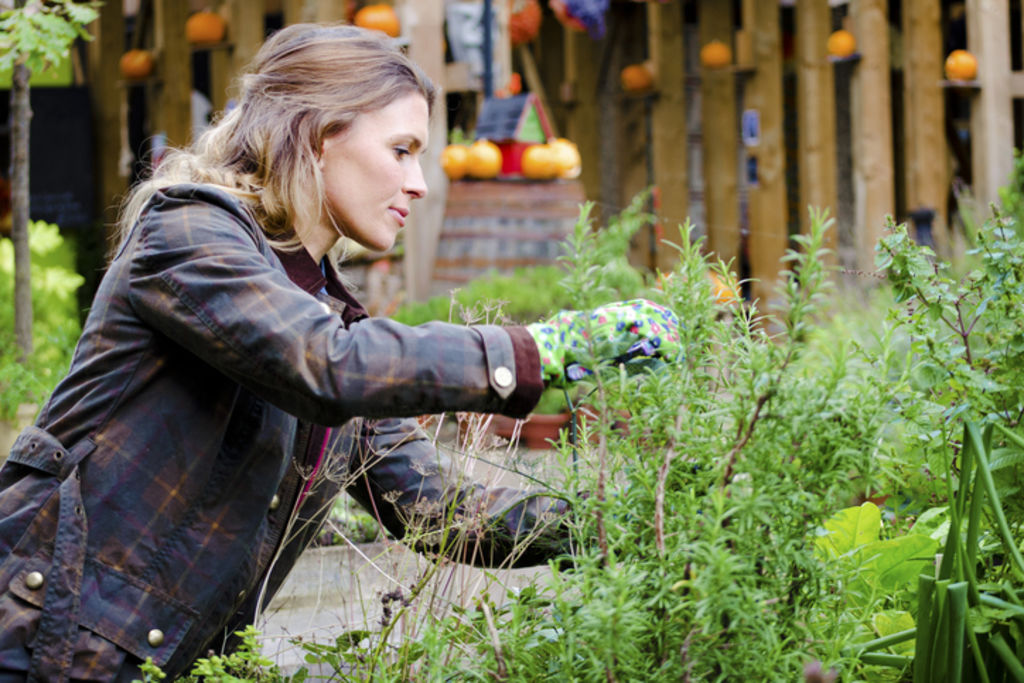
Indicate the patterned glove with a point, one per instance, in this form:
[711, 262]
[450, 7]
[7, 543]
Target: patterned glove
[631, 332]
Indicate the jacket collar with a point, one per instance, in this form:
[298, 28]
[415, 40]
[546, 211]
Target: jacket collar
[306, 274]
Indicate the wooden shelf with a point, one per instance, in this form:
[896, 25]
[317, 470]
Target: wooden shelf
[967, 87]
[852, 59]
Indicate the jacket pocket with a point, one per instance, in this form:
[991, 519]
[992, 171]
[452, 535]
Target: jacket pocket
[29, 478]
[119, 608]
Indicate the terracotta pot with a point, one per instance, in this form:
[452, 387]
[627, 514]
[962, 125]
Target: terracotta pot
[537, 431]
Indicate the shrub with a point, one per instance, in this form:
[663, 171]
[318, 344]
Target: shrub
[55, 324]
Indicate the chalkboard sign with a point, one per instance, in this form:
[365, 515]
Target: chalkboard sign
[60, 155]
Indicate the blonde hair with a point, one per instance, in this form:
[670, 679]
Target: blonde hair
[306, 83]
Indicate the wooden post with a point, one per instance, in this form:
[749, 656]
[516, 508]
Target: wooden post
[988, 37]
[329, 11]
[769, 234]
[294, 12]
[668, 127]
[583, 127]
[924, 119]
[173, 109]
[108, 99]
[874, 192]
[247, 32]
[720, 134]
[423, 230]
[816, 114]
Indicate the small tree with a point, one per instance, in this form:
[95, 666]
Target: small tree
[33, 36]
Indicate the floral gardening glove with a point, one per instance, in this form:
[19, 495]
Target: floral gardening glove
[631, 332]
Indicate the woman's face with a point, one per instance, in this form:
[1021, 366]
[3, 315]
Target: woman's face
[372, 172]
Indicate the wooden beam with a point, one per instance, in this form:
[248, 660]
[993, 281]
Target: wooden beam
[173, 107]
[924, 114]
[668, 127]
[247, 32]
[988, 37]
[108, 101]
[720, 136]
[582, 60]
[873, 174]
[816, 114]
[330, 11]
[769, 234]
[423, 229]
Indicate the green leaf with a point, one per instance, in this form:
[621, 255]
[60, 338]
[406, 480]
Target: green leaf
[888, 622]
[851, 528]
[895, 563]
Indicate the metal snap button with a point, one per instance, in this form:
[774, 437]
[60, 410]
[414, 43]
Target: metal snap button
[155, 637]
[275, 502]
[34, 580]
[503, 377]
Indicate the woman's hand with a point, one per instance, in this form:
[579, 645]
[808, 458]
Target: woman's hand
[621, 332]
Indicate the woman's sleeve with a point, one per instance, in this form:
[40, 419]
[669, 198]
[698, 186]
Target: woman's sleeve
[407, 484]
[199, 278]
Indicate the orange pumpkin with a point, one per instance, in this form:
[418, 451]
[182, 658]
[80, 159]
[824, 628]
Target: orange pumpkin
[637, 77]
[715, 55]
[723, 293]
[524, 21]
[205, 27]
[567, 157]
[484, 159]
[961, 65]
[539, 162]
[841, 44]
[379, 17]
[454, 161]
[136, 64]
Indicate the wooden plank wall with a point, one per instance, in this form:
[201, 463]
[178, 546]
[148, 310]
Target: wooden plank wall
[927, 173]
[769, 234]
[873, 171]
[720, 127]
[668, 124]
[816, 114]
[988, 38]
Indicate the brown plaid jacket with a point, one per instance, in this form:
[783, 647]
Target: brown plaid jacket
[219, 398]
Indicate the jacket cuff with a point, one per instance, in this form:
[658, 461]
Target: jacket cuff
[529, 385]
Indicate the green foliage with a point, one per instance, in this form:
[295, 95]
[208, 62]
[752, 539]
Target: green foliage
[55, 324]
[40, 34]
[722, 534]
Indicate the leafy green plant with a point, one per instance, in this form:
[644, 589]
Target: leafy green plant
[56, 323]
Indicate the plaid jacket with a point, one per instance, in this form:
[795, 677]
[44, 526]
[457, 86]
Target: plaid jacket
[217, 402]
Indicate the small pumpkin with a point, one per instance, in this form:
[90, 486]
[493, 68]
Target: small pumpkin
[567, 157]
[637, 77]
[379, 17]
[136, 64]
[841, 44]
[205, 27]
[484, 159]
[961, 65]
[455, 161]
[715, 55]
[539, 162]
[523, 21]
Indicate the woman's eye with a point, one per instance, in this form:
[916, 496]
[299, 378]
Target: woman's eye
[402, 151]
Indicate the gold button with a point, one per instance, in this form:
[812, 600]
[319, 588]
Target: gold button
[275, 502]
[503, 377]
[241, 596]
[155, 637]
[34, 580]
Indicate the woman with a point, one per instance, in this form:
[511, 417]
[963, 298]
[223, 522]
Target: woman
[227, 386]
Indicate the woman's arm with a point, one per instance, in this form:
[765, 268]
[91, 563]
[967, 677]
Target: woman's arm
[402, 479]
